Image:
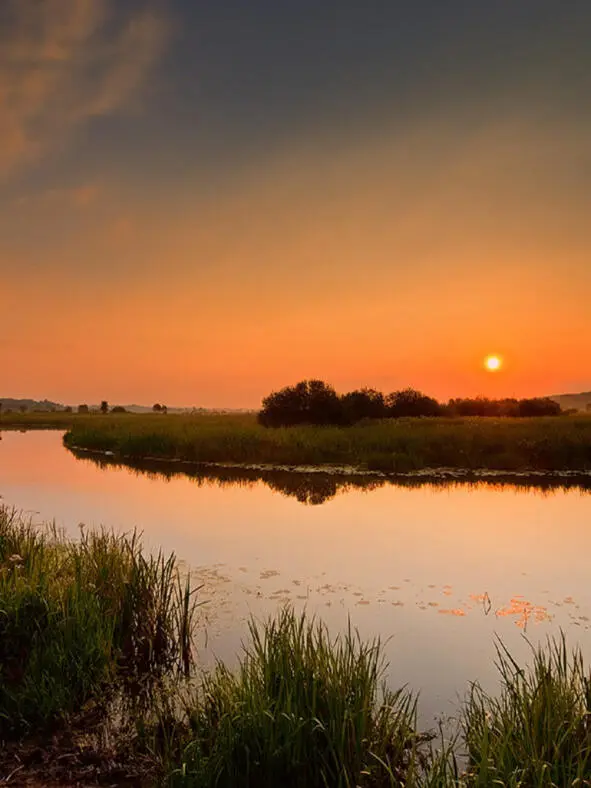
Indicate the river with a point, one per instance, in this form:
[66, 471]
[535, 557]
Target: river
[437, 570]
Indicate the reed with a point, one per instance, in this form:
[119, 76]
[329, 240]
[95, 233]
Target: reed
[82, 619]
[303, 709]
[390, 446]
[538, 730]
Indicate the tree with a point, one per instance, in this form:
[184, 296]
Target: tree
[104, 407]
[409, 402]
[363, 404]
[118, 409]
[82, 408]
[157, 408]
[539, 406]
[308, 402]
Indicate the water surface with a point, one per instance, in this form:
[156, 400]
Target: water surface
[437, 570]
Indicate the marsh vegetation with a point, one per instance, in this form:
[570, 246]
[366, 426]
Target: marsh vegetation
[90, 622]
[390, 446]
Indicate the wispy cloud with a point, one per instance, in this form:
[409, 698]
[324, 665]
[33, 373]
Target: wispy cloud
[75, 197]
[63, 62]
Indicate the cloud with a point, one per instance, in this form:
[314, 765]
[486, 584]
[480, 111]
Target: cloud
[75, 197]
[63, 62]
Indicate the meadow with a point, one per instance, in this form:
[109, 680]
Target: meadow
[390, 446]
[98, 685]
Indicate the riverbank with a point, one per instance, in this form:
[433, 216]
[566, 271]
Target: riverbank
[90, 631]
[390, 446]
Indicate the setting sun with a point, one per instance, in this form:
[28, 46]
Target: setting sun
[493, 363]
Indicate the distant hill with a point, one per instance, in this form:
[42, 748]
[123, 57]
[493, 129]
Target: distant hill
[30, 404]
[580, 401]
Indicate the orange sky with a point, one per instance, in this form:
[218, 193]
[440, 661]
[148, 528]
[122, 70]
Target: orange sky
[394, 249]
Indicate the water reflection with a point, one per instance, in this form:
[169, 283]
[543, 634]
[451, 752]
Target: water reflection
[315, 487]
[434, 565]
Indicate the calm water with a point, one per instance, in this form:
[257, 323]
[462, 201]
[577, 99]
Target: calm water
[437, 570]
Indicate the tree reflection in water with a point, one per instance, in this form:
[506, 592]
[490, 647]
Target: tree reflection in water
[317, 487]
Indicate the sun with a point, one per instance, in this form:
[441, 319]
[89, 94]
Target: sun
[493, 363]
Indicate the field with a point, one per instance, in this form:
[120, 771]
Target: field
[391, 446]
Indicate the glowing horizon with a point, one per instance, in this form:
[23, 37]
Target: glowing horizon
[194, 215]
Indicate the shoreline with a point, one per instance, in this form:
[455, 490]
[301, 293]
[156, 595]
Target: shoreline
[347, 472]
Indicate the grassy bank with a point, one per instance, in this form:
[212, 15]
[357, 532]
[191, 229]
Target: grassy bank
[550, 443]
[85, 623]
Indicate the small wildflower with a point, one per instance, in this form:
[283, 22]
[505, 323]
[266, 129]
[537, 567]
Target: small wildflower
[15, 559]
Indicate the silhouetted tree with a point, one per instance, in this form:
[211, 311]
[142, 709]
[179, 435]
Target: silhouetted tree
[157, 408]
[104, 406]
[23, 408]
[118, 409]
[539, 406]
[508, 407]
[68, 409]
[410, 402]
[482, 406]
[308, 402]
[363, 404]
[82, 408]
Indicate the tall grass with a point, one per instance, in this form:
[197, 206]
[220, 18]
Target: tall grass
[401, 445]
[79, 620]
[538, 730]
[303, 709]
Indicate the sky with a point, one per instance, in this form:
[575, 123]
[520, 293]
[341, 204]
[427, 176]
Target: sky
[201, 202]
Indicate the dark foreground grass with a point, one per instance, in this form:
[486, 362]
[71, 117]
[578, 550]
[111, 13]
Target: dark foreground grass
[303, 710]
[394, 445]
[82, 620]
[538, 731]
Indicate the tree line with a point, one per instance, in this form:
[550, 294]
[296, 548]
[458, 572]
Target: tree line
[316, 402]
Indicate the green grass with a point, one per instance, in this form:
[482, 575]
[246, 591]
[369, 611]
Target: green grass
[550, 443]
[538, 730]
[82, 619]
[303, 710]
